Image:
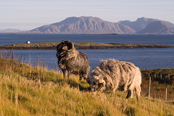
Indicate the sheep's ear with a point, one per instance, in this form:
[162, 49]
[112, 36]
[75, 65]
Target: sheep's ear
[70, 46]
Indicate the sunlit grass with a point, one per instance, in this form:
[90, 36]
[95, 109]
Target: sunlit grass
[28, 91]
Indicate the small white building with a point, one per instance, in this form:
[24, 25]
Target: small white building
[28, 42]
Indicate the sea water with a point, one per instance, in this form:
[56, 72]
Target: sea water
[145, 58]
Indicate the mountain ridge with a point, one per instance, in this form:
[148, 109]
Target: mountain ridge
[157, 27]
[139, 24]
[84, 25]
[10, 30]
[95, 25]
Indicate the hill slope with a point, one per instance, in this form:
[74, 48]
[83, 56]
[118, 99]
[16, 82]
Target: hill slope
[171, 25]
[84, 25]
[141, 24]
[157, 27]
[137, 25]
[34, 91]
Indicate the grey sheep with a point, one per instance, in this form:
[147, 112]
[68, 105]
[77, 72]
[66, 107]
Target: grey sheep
[111, 75]
[73, 61]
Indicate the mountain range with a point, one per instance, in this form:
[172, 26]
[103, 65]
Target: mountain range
[94, 25]
[84, 25]
[157, 27]
[10, 31]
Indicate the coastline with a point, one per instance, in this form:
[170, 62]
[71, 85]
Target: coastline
[84, 45]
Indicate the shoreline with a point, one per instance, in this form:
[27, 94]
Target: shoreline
[84, 45]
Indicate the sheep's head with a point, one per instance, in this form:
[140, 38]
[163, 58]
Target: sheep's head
[65, 46]
[96, 81]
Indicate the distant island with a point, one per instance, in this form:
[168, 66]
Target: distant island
[83, 45]
[95, 25]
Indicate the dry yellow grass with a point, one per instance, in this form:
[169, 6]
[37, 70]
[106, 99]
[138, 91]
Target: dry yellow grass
[26, 91]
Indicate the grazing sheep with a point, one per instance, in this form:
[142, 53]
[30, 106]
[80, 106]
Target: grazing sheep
[111, 75]
[72, 60]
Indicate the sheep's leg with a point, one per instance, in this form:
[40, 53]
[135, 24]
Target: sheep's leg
[115, 87]
[137, 90]
[132, 92]
[69, 73]
[125, 86]
[128, 94]
[137, 95]
[63, 74]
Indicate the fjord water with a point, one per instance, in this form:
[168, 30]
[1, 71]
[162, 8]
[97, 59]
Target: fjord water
[145, 58]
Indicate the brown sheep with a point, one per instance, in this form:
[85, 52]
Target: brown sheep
[73, 61]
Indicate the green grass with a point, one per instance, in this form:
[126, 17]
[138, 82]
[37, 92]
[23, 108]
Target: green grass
[89, 43]
[105, 44]
[32, 44]
[34, 91]
[80, 45]
[56, 43]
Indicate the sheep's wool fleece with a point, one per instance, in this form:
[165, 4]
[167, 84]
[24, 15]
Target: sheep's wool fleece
[122, 75]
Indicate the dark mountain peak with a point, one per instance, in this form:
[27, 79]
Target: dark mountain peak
[157, 27]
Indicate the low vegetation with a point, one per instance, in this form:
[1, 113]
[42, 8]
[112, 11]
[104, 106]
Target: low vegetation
[82, 45]
[53, 44]
[160, 80]
[32, 90]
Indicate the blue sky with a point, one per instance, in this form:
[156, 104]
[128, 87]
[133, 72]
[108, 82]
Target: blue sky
[29, 14]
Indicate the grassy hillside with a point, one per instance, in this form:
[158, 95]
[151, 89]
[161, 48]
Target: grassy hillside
[26, 90]
[160, 80]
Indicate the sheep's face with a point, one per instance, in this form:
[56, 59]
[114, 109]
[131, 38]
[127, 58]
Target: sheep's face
[96, 82]
[65, 46]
